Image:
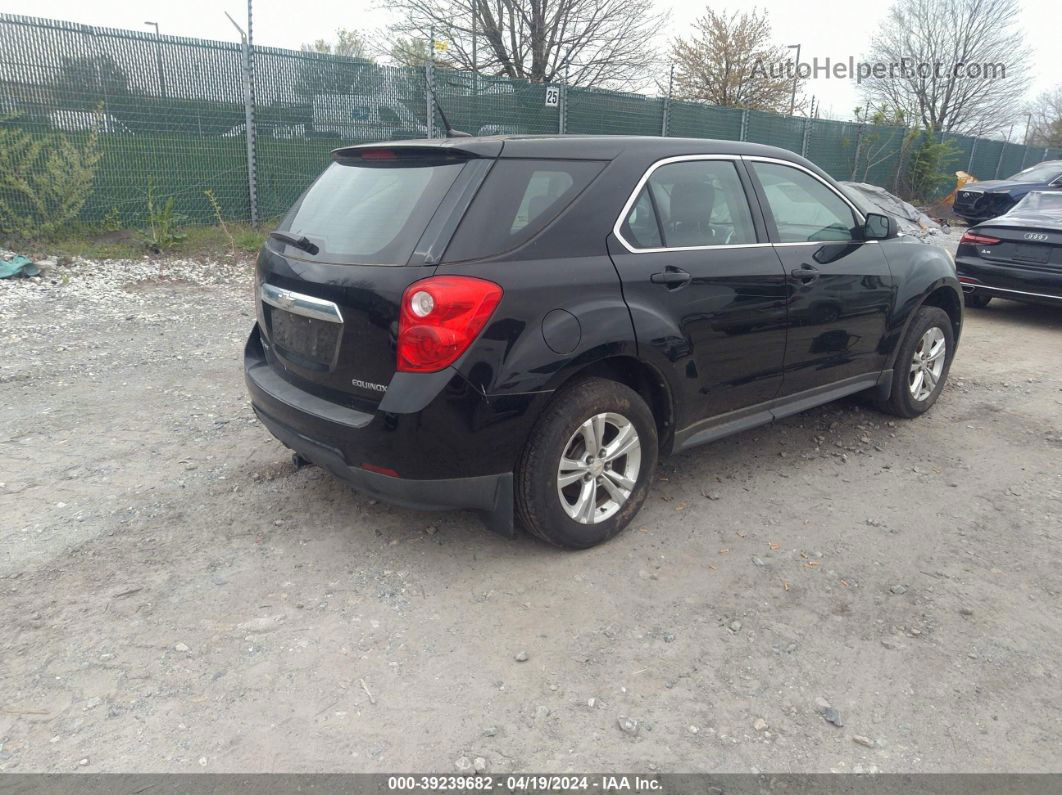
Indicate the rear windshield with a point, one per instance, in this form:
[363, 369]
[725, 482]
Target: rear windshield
[519, 198]
[371, 212]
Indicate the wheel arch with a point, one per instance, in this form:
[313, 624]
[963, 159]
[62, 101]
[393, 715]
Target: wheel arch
[945, 298]
[942, 293]
[644, 379]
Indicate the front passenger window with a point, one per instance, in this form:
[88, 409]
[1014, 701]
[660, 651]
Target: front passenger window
[804, 209]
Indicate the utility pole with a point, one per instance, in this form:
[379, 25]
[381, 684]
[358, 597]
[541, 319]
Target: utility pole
[796, 75]
[158, 58]
[475, 69]
[475, 13]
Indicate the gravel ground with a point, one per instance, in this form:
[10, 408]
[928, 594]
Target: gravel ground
[839, 591]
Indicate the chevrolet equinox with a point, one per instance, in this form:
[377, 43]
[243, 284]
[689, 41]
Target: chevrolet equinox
[523, 325]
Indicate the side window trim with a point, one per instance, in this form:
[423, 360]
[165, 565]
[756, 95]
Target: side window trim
[656, 212]
[768, 214]
[617, 228]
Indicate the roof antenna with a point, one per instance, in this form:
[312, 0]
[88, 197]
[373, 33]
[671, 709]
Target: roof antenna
[450, 131]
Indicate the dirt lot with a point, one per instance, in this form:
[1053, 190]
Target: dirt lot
[176, 597]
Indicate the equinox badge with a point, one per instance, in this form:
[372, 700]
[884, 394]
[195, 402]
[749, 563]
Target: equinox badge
[367, 385]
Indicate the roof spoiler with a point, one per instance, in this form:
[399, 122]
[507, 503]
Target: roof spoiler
[446, 148]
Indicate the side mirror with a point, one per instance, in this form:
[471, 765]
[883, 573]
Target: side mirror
[879, 227]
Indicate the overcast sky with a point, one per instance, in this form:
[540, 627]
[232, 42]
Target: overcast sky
[829, 28]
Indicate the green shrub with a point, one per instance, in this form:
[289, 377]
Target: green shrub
[112, 221]
[928, 173]
[44, 180]
[163, 222]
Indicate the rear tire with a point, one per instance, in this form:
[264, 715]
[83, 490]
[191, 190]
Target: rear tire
[921, 367]
[576, 497]
[976, 300]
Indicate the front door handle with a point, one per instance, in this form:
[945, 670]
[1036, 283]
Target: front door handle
[672, 277]
[805, 273]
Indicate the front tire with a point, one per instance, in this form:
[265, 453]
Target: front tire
[588, 465]
[922, 364]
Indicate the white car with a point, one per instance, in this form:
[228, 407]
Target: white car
[365, 118]
[85, 121]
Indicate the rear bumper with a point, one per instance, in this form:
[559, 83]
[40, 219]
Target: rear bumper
[490, 495]
[1015, 282]
[338, 438]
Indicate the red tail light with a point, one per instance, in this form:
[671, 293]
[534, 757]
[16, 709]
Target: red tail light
[977, 239]
[440, 318]
[378, 154]
[380, 470]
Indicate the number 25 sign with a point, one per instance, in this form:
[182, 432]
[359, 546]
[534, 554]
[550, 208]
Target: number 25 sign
[552, 96]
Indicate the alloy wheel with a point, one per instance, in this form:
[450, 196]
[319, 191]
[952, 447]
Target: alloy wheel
[927, 363]
[599, 468]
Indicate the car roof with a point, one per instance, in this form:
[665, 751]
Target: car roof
[590, 147]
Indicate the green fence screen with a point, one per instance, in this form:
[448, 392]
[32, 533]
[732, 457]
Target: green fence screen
[169, 113]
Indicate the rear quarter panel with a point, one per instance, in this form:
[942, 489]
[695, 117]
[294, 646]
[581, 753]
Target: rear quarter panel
[562, 307]
[580, 302]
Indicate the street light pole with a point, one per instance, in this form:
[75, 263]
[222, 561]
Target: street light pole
[158, 58]
[796, 74]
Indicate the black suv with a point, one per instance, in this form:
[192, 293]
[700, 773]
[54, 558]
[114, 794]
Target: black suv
[980, 201]
[522, 325]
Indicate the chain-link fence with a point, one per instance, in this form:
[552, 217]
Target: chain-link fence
[166, 116]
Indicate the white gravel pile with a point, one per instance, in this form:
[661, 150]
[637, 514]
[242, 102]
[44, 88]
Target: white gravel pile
[110, 287]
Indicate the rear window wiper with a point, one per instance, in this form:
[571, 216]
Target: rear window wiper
[299, 242]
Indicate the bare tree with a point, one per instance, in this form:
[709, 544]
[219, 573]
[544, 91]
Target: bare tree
[1045, 122]
[604, 43]
[351, 43]
[951, 65]
[731, 60]
[409, 52]
[884, 135]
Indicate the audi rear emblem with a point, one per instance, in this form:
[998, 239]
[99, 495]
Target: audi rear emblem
[1035, 236]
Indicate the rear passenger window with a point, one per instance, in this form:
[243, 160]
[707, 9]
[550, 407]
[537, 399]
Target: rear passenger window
[517, 200]
[697, 203]
[641, 229]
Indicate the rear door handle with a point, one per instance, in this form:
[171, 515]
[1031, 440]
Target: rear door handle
[805, 273]
[672, 277]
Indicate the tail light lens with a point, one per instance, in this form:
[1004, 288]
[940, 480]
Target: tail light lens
[977, 239]
[440, 318]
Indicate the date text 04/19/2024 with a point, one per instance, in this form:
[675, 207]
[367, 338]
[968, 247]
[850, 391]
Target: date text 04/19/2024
[525, 783]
